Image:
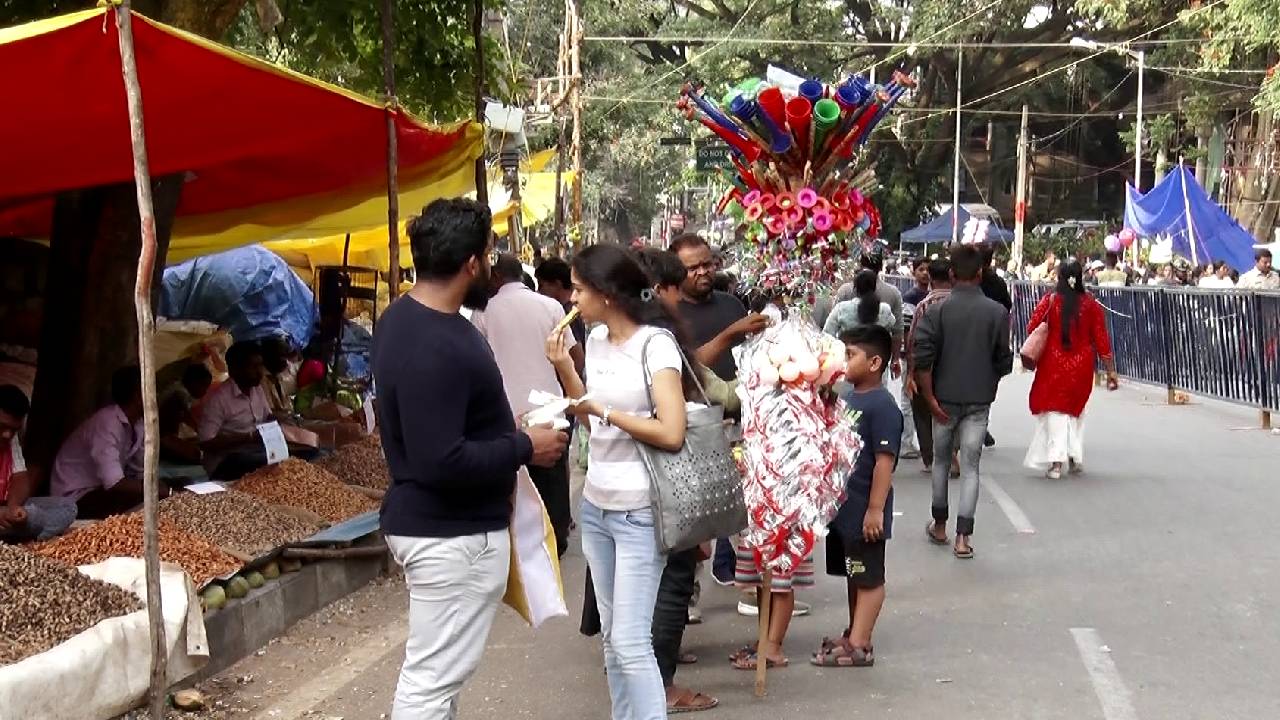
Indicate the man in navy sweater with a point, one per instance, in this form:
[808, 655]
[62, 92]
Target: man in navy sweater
[453, 448]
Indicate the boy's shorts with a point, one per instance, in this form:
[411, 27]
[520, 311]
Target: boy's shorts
[861, 562]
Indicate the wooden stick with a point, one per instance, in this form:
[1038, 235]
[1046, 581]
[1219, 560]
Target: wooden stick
[477, 35]
[393, 149]
[765, 604]
[146, 360]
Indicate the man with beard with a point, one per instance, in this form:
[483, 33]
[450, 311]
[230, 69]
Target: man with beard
[453, 449]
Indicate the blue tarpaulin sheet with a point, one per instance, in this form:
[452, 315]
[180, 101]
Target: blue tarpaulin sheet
[249, 291]
[1201, 230]
[938, 230]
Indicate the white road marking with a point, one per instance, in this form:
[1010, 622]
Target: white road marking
[1116, 700]
[356, 660]
[1017, 518]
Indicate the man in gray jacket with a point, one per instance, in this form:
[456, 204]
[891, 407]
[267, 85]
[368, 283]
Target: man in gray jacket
[961, 352]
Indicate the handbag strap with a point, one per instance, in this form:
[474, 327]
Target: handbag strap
[644, 366]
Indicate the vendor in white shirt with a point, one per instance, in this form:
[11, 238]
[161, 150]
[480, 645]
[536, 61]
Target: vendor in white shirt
[23, 517]
[1219, 279]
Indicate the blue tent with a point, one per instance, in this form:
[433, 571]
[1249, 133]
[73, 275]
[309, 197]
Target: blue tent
[938, 230]
[1203, 232]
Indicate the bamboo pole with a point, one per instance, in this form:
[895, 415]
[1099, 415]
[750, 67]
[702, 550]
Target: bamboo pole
[477, 35]
[765, 604]
[575, 71]
[146, 359]
[393, 150]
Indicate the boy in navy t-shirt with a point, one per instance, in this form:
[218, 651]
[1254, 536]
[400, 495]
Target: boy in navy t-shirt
[856, 542]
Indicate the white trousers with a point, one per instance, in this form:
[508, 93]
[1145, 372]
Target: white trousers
[455, 586]
[1058, 437]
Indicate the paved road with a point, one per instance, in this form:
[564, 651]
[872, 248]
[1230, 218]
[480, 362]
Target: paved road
[1141, 590]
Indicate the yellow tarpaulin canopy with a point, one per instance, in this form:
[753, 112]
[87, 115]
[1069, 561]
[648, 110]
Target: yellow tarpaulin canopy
[265, 153]
[369, 246]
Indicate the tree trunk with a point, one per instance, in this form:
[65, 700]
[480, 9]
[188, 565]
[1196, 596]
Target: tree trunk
[89, 326]
[1258, 190]
[89, 329]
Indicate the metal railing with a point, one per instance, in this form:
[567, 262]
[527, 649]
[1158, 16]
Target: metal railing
[1223, 344]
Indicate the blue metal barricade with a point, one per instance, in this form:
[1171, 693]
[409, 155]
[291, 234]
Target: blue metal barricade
[1223, 344]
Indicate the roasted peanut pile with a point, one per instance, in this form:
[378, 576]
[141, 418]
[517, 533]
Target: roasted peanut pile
[239, 521]
[360, 463]
[121, 535]
[311, 487]
[44, 603]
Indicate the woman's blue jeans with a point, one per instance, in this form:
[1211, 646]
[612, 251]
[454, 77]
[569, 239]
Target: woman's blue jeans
[626, 565]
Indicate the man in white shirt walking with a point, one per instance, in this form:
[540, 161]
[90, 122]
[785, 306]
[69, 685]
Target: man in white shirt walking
[516, 322]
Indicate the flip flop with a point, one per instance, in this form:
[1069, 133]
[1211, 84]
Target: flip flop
[928, 531]
[690, 701]
[686, 659]
[966, 554]
[749, 662]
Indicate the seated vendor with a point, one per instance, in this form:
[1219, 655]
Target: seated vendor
[176, 405]
[100, 465]
[23, 517]
[231, 414]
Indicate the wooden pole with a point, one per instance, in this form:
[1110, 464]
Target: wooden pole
[146, 359]
[765, 603]
[477, 35]
[393, 150]
[558, 234]
[575, 71]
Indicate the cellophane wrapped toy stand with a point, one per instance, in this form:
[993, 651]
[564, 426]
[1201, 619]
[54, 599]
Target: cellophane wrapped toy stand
[805, 214]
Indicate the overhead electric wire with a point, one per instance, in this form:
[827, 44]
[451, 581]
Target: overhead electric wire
[676, 39]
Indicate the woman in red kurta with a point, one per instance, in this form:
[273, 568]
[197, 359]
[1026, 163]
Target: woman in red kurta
[1064, 373]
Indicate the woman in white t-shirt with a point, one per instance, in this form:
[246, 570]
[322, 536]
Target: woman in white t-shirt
[610, 288]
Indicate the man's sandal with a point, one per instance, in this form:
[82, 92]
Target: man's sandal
[689, 701]
[751, 661]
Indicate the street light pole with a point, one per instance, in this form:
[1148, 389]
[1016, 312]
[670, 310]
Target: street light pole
[955, 177]
[1141, 56]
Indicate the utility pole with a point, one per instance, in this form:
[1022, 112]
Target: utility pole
[1020, 203]
[1141, 57]
[955, 178]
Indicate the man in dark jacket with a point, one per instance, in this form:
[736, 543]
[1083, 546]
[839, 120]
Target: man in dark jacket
[961, 352]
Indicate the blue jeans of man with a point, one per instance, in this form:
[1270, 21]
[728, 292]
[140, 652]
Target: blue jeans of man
[964, 431]
[626, 566]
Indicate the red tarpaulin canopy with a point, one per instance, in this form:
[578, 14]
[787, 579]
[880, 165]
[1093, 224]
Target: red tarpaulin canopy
[267, 153]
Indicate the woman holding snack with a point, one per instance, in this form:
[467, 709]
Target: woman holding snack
[627, 405]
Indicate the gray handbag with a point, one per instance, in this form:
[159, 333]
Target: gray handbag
[697, 491]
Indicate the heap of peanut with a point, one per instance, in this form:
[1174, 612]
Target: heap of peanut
[360, 463]
[121, 536]
[300, 484]
[44, 603]
[235, 520]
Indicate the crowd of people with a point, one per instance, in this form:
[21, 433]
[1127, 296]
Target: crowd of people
[652, 335]
[1110, 270]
